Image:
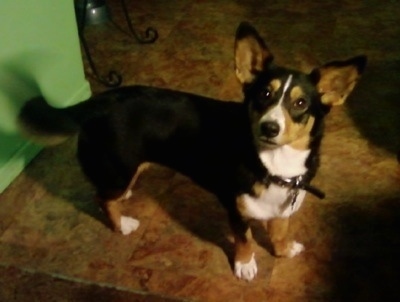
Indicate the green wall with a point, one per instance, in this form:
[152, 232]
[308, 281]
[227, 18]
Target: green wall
[39, 55]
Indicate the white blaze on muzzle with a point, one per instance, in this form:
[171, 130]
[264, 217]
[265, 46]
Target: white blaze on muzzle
[275, 114]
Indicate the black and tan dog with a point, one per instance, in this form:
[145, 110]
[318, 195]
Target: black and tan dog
[258, 157]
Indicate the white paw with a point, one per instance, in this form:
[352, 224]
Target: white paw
[128, 225]
[246, 271]
[296, 249]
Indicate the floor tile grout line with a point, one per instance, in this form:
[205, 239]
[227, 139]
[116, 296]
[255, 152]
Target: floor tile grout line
[86, 282]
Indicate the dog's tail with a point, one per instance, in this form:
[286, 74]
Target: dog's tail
[47, 125]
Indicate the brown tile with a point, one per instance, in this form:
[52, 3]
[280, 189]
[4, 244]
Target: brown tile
[55, 243]
[21, 286]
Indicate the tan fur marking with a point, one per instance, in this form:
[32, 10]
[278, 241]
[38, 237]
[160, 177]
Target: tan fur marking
[297, 135]
[249, 57]
[142, 167]
[113, 210]
[336, 84]
[277, 230]
[258, 188]
[241, 205]
[113, 205]
[243, 246]
[275, 85]
[243, 62]
[296, 93]
[244, 249]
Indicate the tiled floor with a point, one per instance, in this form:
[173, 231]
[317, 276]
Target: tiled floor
[54, 245]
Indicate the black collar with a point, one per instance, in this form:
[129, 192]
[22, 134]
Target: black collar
[294, 183]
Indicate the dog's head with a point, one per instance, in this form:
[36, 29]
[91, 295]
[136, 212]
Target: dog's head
[287, 106]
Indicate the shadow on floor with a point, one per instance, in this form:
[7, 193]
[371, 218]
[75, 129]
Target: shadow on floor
[376, 106]
[365, 264]
[196, 210]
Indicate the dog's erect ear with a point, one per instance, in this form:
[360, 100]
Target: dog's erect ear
[336, 80]
[251, 53]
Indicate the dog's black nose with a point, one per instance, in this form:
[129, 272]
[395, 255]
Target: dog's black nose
[269, 129]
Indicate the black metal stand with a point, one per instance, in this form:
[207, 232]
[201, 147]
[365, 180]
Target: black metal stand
[150, 35]
[113, 79]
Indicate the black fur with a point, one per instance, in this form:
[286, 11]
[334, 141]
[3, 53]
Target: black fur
[207, 140]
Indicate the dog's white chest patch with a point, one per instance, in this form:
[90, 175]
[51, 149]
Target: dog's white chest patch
[285, 161]
[277, 201]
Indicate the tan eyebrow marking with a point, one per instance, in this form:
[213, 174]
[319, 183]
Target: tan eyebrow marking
[275, 85]
[296, 93]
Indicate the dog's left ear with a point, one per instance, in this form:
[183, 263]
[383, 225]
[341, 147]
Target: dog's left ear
[251, 53]
[336, 80]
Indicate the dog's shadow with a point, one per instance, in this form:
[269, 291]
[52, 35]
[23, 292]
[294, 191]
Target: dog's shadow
[365, 262]
[177, 198]
[57, 170]
[375, 105]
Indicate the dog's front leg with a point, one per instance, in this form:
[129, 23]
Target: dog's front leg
[282, 247]
[245, 266]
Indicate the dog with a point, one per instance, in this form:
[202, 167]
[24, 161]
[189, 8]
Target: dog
[258, 157]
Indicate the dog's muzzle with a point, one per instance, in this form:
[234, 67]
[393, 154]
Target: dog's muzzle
[268, 132]
[269, 129]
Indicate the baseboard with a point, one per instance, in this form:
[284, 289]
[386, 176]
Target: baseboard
[27, 151]
[16, 164]
[83, 93]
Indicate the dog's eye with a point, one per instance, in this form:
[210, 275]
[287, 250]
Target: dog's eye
[300, 104]
[265, 95]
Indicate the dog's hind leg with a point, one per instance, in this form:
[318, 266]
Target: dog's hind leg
[282, 247]
[112, 205]
[142, 167]
[112, 177]
[121, 223]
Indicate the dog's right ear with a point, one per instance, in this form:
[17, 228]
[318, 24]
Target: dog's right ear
[251, 53]
[336, 80]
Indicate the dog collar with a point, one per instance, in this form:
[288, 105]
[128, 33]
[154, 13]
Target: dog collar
[294, 183]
